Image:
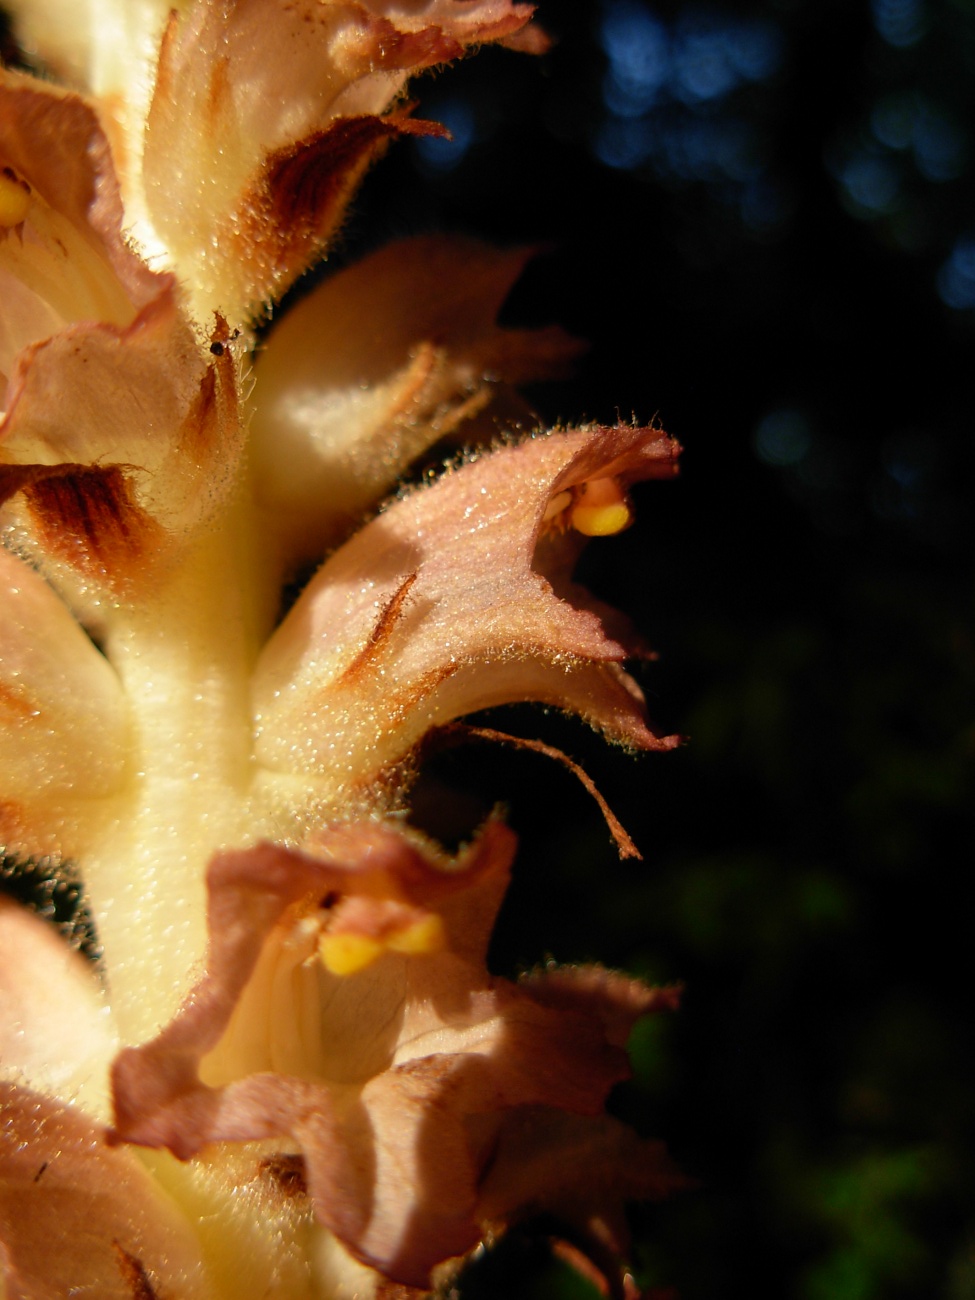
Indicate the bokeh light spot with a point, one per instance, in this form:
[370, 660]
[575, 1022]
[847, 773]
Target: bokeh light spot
[956, 279]
[939, 147]
[900, 22]
[870, 181]
[623, 144]
[439, 154]
[668, 95]
[782, 438]
[638, 48]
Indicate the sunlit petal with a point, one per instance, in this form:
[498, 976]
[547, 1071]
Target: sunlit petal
[266, 113]
[434, 609]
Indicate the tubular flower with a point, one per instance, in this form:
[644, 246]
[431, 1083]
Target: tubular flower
[276, 1064]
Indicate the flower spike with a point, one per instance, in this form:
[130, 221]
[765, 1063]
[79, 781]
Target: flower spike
[290, 1071]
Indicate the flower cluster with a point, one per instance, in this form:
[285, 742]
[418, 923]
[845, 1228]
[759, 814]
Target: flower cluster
[288, 1072]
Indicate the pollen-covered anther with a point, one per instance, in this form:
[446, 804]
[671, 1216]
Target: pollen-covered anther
[419, 939]
[600, 508]
[344, 952]
[15, 195]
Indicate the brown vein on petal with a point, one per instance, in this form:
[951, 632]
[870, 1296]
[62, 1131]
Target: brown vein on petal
[163, 90]
[14, 478]
[26, 834]
[379, 638]
[306, 180]
[88, 518]
[406, 703]
[198, 436]
[219, 98]
[134, 1275]
[301, 192]
[390, 775]
[11, 825]
[15, 701]
[426, 361]
[303, 179]
[626, 847]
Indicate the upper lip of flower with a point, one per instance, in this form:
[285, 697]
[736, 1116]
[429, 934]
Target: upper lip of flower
[434, 609]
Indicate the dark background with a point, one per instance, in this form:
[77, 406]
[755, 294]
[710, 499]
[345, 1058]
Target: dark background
[762, 217]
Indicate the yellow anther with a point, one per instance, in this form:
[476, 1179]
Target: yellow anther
[14, 198]
[344, 954]
[423, 936]
[600, 508]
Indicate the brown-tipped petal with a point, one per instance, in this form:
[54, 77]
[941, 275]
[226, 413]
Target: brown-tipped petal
[246, 90]
[78, 1218]
[63, 723]
[393, 1081]
[435, 609]
[344, 409]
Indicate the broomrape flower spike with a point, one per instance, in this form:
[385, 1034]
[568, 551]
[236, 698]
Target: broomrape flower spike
[288, 1072]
